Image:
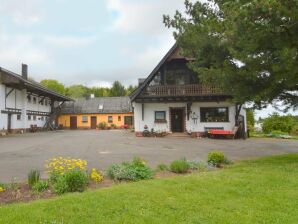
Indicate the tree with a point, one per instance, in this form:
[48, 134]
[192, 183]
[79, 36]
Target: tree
[78, 91]
[130, 89]
[249, 48]
[250, 117]
[117, 89]
[276, 122]
[54, 85]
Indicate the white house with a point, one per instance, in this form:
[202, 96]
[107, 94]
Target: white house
[23, 103]
[172, 99]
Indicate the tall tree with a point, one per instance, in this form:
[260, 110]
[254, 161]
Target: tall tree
[130, 89]
[117, 89]
[77, 91]
[248, 47]
[54, 85]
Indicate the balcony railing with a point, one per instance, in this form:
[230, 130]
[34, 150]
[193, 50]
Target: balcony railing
[182, 90]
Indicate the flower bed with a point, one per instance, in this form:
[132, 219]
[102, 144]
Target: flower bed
[72, 175]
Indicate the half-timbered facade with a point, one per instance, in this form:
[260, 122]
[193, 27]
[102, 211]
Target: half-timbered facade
[172, 99]
[25, 104]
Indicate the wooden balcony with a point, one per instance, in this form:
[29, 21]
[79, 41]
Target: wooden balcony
[181, 90]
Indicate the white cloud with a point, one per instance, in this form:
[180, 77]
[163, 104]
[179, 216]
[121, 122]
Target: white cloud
[25, 12]
[70, 41]
[143, 17]
[17, 49]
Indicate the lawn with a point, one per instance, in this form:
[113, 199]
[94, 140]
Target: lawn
[259, 191]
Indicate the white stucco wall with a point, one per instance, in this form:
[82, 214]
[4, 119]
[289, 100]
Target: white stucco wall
[17, 99]
[150, 108]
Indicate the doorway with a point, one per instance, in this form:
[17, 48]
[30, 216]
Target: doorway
[177, 119]
[93, 122]
[73, 122]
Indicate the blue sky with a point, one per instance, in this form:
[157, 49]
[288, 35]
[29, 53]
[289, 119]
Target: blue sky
[92, 42]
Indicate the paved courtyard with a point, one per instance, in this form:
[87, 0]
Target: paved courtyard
[20, 153]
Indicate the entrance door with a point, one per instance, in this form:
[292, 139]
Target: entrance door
[128, 120]
[73, 122]
[9, 122]
[177, 119]
[93, 122]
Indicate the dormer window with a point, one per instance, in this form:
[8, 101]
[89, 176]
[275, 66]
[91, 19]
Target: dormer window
[100, 107]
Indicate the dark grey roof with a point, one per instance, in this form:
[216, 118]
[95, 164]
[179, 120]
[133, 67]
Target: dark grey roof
[98, 105]
[14, 80]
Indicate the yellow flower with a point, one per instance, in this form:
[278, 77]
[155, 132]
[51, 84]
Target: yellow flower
[96, 176]
[2, 189]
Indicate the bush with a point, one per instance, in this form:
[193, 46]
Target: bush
[41, 186]
[132, 171]
[216, 158]
[162, 167]
[102, 125]
[72, 181]
[96, 175]
[113, 126]
[3, 187]
[33, 177]
[180, 166]
[276, 122]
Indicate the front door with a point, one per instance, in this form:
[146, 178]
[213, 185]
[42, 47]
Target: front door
[177, 119]
[128, 120]
[9, 122]
[73, 122]
[93, 122]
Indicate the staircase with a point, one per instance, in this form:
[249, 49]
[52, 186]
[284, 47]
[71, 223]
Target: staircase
[49, 125]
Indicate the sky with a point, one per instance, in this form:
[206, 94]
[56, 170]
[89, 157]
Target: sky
[90, 42]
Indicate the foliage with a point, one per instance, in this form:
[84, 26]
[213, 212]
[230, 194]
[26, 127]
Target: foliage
[77, 91]
[117, 89]
[96, 176]
[41, 186]
[74, 180]
[180, 166]
[113, 126]
[102, 125]
[133, 171]
[250, 119]
[62, 165]
[162, 167]
[248, 47]
[199, 165]
[216, 158]
[33, 177]
[231, 196]
[54, 85]
[2, 188]
[275, 122]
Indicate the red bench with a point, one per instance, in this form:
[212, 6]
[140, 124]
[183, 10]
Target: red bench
[226, 133]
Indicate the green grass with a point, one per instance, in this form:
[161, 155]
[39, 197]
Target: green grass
[260, 191]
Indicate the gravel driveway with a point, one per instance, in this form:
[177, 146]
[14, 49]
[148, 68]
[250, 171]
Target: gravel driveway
[20, 153]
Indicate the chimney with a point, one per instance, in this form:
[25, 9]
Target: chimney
[25, 71]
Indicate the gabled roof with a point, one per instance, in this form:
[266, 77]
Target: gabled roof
[139, 90]
[98, 105]
[14, 80]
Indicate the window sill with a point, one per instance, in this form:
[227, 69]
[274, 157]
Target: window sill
[160, 122]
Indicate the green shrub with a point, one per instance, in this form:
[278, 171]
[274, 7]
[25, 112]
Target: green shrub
[275, 122]
[162, 167]
[33, 177]
[216, 158]
[41, 186]
[113, 126]
[180, 166]
[131, 171]
[102, 125]
[72, 181]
